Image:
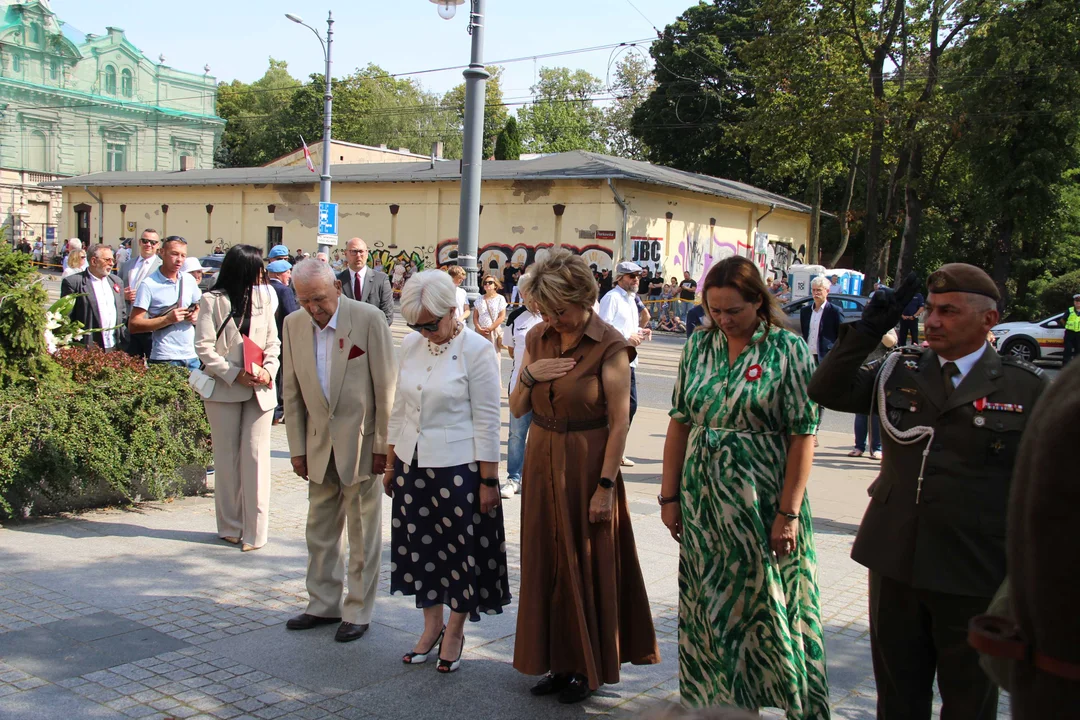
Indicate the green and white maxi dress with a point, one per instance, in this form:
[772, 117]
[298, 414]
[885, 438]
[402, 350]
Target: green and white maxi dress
[750, 630]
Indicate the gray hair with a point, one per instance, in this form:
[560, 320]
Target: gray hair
[430, 290]
[74, 244]
[95, 249]
[820, 282]
[981, 303]
[313, 272]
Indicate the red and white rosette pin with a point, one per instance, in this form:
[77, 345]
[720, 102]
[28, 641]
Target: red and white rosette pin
[753, 373]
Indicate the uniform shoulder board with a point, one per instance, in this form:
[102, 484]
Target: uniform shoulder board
[1023, 364]
[907, 351]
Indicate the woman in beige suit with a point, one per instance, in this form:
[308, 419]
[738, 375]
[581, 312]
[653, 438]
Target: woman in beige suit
[241, 407]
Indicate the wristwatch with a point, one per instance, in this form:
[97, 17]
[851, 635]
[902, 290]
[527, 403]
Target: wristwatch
[607, 483]
[666, 500]
[490, 482]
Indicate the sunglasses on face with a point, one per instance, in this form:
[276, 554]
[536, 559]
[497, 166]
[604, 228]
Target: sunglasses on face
[426, 327]
[488, 283]
[144, 241]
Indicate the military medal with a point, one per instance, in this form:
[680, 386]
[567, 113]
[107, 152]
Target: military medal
[980, 404]
[979, 421]
[997, 446]
[911, 364]
[1005, 407]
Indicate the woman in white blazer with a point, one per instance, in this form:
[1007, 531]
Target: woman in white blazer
[448, 545]
[242, 405]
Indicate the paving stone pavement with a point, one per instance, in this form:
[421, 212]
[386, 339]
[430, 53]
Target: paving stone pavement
[143, 613]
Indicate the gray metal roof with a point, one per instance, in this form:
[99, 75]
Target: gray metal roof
[577, 165]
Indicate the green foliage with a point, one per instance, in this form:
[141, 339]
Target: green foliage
[1058, 294]
[632, 84]
[111, 431]
[22, 319]
[495, 115]
[563, 116]
[508, 144]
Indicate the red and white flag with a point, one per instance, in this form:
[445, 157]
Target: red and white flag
[307, 155]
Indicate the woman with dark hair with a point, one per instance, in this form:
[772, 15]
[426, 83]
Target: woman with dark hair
[737, 458]
[233, 315]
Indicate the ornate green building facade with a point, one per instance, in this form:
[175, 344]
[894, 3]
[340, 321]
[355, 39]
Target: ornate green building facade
[74, 103]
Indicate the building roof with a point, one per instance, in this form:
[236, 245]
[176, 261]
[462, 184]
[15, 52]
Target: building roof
[317, 147]
[577, 165]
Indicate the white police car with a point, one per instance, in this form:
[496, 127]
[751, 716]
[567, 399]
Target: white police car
[1043, 340]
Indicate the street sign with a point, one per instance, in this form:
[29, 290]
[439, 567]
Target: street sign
[328, 225]
[50, 233]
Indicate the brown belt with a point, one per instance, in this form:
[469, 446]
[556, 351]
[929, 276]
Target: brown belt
[1000, 637]
[566, 426]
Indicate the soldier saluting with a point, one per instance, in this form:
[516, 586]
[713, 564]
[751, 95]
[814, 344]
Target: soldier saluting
[933, 536]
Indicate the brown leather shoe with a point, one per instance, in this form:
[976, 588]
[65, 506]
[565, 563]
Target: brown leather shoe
[347, 632]
[306, 622]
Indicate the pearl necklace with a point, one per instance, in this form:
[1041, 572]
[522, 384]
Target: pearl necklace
[438, 350]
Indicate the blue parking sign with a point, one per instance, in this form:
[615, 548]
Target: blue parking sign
[328, 217]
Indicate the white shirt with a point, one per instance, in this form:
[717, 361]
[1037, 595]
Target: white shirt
[488, 309]
[964, 364]
[352, 280]
[122, 256]
[103, 292]
[462, 303]
[619, 310]
[139, 272]
[515, 339]
[324, 352]
[815, 326]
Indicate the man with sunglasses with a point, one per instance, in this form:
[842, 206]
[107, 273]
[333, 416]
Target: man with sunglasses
[132, 274]
[360, 282]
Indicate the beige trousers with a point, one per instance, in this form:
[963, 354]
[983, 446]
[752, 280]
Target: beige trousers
[241, 436]
[332, 509]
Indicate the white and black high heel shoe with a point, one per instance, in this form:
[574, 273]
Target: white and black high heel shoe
[415, 658]
[448, 666]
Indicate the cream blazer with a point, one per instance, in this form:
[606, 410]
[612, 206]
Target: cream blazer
[353, 424]
[223, 357]
[447, 407]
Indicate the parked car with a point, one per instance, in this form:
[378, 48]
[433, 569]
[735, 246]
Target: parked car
[850, 306]
[1043, 340]
[210, 276]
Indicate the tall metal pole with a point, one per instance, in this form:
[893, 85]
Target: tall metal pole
[475, 94]
[328, 97]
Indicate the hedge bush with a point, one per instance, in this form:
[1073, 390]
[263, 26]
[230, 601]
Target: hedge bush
[1057, 296]
[83, 427]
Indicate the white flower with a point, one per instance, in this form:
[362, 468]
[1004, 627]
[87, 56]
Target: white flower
[67, 340]
[50, 342]
[52, 320]
[79, 334]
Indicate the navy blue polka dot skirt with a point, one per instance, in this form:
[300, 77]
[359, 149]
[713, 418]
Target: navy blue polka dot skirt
[443, 549]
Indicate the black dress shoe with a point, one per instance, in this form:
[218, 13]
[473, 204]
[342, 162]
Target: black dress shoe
[347, 632]
[575, 691]
[306, 622]
[550, 684]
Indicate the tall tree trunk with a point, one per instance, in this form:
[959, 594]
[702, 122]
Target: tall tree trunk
[814, 253]
[845, 213]
[1003, 254]
[873, 171]
[913, 207]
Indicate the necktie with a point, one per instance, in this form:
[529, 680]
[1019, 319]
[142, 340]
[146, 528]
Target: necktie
[948, 372]
[357, 287]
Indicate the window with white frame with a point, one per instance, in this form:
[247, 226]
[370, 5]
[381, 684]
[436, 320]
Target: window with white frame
[115, 156]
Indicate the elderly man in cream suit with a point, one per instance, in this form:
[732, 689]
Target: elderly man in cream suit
[339, 376]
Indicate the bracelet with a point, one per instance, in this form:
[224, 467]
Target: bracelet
[490, 482]
[606, 483]
[528, 377]
[789, 516]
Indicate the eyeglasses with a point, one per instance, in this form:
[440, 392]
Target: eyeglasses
[426, 327]
[146, 241]
[356, 252]
[488, 283]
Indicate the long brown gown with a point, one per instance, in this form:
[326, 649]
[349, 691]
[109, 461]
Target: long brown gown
[582, 606]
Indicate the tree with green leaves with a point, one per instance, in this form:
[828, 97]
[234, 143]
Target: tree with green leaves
[632, 85]
[563, 115]
[495, 115]
[508, 144]
[251, 112]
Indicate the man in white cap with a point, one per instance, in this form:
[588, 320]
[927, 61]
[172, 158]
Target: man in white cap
[194, 268]
[619, 309]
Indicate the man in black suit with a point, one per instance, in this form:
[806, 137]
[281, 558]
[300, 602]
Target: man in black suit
[359, 282]
[100, 305]
[820, 320]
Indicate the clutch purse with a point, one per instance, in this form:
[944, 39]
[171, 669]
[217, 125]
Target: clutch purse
[202, 383]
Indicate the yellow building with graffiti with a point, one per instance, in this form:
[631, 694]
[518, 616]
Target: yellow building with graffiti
[605, 208]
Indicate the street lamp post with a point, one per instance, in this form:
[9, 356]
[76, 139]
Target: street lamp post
[475, 94]
[328, 106]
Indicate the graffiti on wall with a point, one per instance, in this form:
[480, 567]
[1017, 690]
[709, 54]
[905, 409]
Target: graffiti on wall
[647, 252]
[388, 257]
[496, 256]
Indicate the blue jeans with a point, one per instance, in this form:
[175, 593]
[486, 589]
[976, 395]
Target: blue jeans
[515, 446]
[633, 394]
[192, 364]
[861, 422]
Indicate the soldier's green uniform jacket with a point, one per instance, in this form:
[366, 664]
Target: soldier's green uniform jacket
[953, 539]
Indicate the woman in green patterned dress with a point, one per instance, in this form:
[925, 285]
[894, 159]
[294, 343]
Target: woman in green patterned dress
[739, 448]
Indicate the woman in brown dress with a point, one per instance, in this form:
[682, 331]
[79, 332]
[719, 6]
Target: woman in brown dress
[583, 609]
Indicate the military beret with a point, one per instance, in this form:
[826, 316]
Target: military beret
[961, 277]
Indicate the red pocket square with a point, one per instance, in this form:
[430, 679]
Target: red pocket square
[355, 352]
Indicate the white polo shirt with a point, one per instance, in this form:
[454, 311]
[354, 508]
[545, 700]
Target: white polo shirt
[619, 310]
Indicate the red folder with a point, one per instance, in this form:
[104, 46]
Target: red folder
[253, 357]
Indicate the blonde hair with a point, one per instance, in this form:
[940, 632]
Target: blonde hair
[76, 258]
[456, 271]
[561, 278]
[498, 283]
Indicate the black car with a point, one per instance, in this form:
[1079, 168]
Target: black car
[850, 307]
